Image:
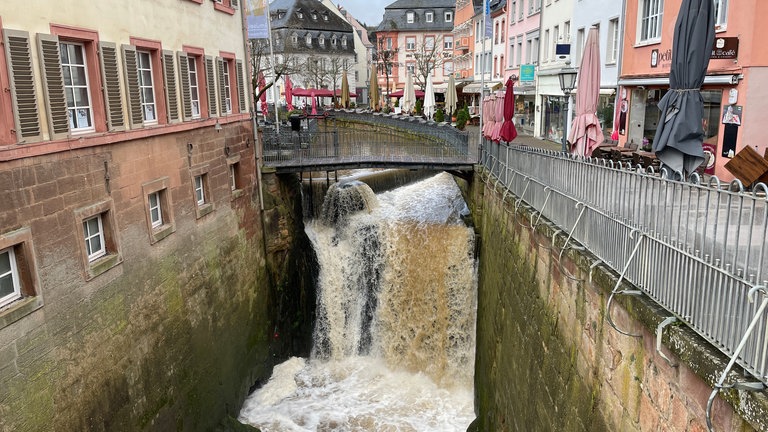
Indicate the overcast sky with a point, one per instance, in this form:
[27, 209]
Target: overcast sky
[365, 11]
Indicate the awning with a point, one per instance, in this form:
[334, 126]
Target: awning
[475, 86]
[664, 81]
[440, 88]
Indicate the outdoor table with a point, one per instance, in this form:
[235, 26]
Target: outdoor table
[645, 159]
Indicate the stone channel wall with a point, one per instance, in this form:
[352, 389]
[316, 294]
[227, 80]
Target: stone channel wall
[170, 329]
[547, 358]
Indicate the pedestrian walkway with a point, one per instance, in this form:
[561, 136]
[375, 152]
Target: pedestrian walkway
[523, 140]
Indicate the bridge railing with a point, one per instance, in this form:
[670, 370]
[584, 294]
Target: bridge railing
[698, 250]
[383, 138]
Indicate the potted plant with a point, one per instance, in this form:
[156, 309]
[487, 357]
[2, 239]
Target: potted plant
[462, 117]
[439, 116]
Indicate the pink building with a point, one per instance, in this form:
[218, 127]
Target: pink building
[734, 91]
[522, 28]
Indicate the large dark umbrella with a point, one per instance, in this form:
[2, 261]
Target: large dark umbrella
[679, 136]
[508, 131]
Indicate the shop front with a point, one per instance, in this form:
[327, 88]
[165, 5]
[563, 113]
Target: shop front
[552, 117]
[525, 107]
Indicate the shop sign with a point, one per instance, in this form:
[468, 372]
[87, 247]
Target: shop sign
[527, 72]
[725, 48]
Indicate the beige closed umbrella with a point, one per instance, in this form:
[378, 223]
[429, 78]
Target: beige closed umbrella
[373, 92]
[344, 91]
[450, 96]
[409, 95]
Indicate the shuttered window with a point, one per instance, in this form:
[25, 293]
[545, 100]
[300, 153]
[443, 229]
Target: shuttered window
[132, 86]
[22, 81]
[240, 86]
[147, 86]
[194, 88]
[72, 111]
[111, 79]
[169, 77]
[225, 99]
[211, 84]
[185, 67]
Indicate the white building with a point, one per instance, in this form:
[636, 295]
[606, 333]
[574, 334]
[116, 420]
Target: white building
[555, 30]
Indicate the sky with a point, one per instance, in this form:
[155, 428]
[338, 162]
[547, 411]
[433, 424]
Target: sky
[365, 11]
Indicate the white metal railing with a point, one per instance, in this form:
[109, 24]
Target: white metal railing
[698, 250]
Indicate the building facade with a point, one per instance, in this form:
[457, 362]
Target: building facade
[420, 35]
[523, 27]
[314, 43]
[551, 105]
[734, 80]
[128, 233]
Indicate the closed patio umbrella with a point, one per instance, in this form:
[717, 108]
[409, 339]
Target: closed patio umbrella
[680, 134]
[586, 133]
[498, 115]
[288, 93]
[429, 98]
[508, 131]
[373, 92]
[314, 103]
[489, 113]
[263, 97]
[450, 96]
[409, 95]
[344, 91]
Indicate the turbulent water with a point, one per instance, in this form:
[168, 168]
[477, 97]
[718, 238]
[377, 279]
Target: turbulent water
[394, 341]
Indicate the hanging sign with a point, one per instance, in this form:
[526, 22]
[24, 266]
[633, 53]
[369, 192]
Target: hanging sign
[527, 72]
[257, 19]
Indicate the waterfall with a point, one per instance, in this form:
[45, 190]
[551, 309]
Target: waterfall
[395, 332]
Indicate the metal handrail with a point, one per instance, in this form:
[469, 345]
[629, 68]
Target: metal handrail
[703, 246]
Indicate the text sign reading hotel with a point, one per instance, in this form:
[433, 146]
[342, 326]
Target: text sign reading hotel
[725, 48]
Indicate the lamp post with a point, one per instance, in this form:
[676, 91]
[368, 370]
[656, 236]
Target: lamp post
[567, 77]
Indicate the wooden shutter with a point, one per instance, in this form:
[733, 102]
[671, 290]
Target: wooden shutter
[53, 85]
[186, 96]
[222, 86]
[169, 81]
[130, 67]
[111, 78]
[211, 86]
[240, 86]
[25, 113]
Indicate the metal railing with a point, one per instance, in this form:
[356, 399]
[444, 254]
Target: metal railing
[698, 250]
[395, 139]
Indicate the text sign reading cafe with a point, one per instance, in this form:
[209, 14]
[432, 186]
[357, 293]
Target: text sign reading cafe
[723, 48]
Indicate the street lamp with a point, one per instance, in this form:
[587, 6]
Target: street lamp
[567, 77]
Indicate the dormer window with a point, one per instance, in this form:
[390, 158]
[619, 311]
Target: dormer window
[344, 41]
[325, 17]
[314, 15]
[308, 39]
[295, 39]
[409, 17]
[333, 41]
[429, 17]
[321, 40]
[299, 14]
[448, 16]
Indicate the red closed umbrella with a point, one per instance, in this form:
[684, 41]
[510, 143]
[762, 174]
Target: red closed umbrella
[314, 104]
[508, 130]
[288, 93]
[263, 97]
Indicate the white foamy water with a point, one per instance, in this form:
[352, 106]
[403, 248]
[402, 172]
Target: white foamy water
[394, 341]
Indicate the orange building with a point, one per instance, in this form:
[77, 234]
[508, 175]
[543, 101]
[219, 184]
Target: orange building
[734, 93]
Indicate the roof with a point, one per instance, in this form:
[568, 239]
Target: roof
[284, 14]
[395, 16]
[421, 4]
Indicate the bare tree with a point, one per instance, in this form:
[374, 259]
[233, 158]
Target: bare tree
[385, 59]
[261, 61]
[429, 55]
[337, 66]
[315, 72]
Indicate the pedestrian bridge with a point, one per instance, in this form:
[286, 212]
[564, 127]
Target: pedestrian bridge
[697, 248]
[348, 139]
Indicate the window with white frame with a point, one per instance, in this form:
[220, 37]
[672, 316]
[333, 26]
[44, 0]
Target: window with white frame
[545, 53]
[314, 15]
[447, 42]
[410, 68]
[503, 25]
[308, 40]
[613, 41]
[429, 43]
[721, 14]
[333, 41]
[447, 68]
[521, 11]
[389, 43]
[146, 85]
[200, 197]
[194, 90]
[567, 32]
[75, 71]
[235, 181]
[409, 17]
[321, 40]
[579, 44]
[512, 10]
[227, 89]
[511, 52]
[429, 17]
[519, 59]
[344, 41]
[10, 281]
[651, 14]
[155, 210]
[295, 39]
[448, 16]
[410, 43]
[93, 229]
